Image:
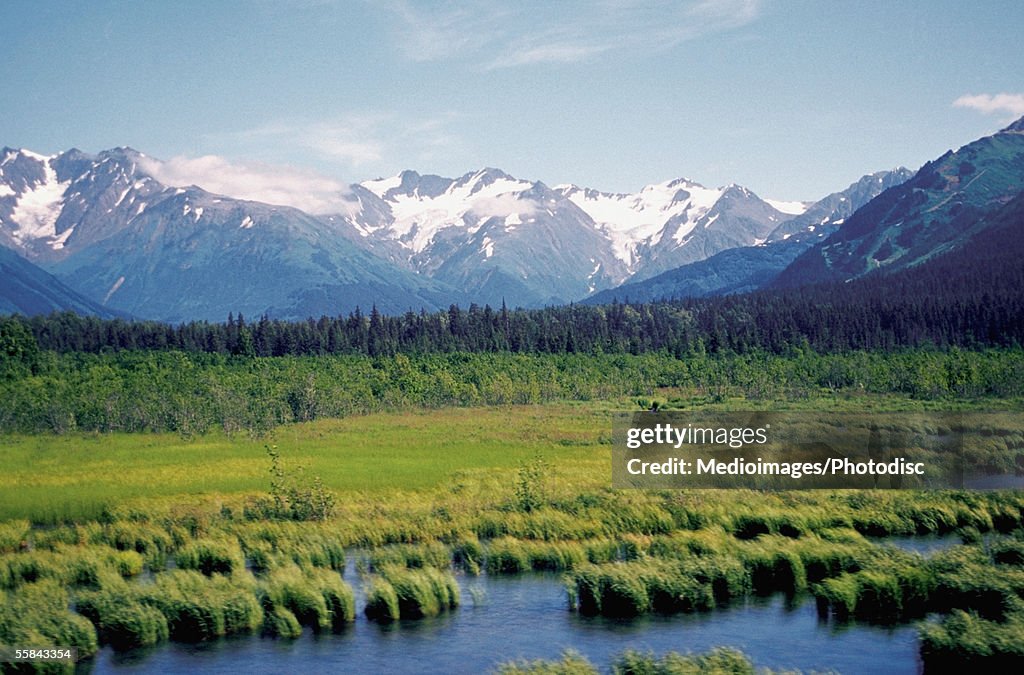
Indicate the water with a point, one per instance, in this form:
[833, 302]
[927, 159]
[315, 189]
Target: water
[527, 617]
[926, 544]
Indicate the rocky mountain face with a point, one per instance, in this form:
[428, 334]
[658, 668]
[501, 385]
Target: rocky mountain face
[489, 234]
[746, 268]
[679, 222]
[942, 206]
[108, 229]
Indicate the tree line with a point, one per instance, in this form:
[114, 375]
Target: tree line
[192, 393]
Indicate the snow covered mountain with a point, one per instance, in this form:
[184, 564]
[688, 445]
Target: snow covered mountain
[493, 235]
[106, 226]
[498, 236]
[679, 222]
[746, 268]
[109, 230]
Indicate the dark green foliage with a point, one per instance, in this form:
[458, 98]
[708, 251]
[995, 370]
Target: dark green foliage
[19, 351]
[963, 640]
[195, 393]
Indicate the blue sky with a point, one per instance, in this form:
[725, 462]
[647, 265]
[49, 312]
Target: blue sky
[791, 98]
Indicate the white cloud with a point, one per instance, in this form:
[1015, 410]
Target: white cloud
[285, 186]
[503, 205]
[358, 143]
[562, 32]
[993, 104]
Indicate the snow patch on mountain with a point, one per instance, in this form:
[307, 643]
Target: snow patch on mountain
[39, 206]
[61, 239]
[467, 203]
[790, 208]
[380, 186]
[630, 220]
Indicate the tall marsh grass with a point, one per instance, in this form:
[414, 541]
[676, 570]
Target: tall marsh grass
[402, 593]
[315, 597]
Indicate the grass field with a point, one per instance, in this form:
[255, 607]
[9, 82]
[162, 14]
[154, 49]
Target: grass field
[48, 477]
[51, 478]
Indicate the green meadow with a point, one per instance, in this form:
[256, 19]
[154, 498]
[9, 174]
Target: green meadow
[50, 478]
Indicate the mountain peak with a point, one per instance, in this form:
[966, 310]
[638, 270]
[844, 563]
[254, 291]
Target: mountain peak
[11, 153]
[1016, 127]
